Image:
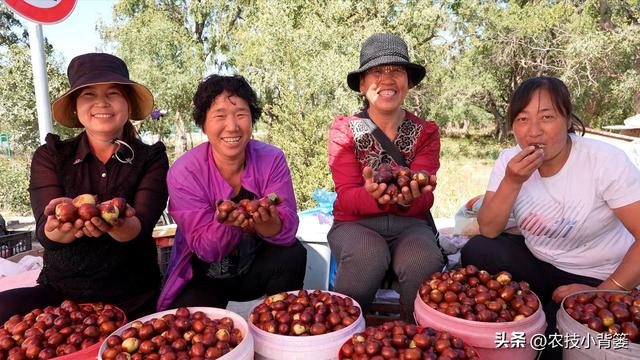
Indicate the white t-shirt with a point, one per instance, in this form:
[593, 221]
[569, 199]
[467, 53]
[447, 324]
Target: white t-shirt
[566, 219]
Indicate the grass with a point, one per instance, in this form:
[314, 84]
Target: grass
[465, 166]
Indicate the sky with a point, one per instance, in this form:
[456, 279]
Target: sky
[77, 33]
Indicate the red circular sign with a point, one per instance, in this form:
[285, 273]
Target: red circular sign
[43, 11]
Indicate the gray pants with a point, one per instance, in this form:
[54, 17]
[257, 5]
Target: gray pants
[364, 250]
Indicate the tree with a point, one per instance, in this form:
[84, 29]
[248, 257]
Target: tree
[160, 53]
[18, 116]
[169, 45]
[11, 30]
[603, 67]
[497, 44]
[297, 55]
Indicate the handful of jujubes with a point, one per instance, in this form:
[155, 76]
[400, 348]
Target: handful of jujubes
[246, 206]
[86, 206]
[398, 177]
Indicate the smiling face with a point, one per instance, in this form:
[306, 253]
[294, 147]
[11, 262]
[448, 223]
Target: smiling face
[103, 109]
[228, 126]
[540, 124]
[385, 87]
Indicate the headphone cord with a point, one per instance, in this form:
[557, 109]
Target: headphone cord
[120, 143]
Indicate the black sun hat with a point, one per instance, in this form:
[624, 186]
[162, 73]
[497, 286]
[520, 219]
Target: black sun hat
[100, 68]
[385, 49]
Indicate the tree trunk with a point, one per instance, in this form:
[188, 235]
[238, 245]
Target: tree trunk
[636, 97]
[190, 140]
[465, 126]
[502, 128]
[179, 142]
[605, 16]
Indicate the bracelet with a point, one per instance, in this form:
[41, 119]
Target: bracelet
[613, 280]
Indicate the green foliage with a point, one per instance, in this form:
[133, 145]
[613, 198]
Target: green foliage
[11, 30]
[18, 116]
[465, 167]
[162, 54]
[17, 100]
[297, 54]
[495, 45]
[14, 183]
[471, 147]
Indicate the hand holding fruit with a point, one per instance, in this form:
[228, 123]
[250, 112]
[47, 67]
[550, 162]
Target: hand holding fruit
[87, 216]
[523, 164]
[401, 184]
[409, 193]
[375, 189]
[55, 228]
[267, 221]
[117, 219]
[112, 214]
[237, 217]
[86, 207]
[261, 215]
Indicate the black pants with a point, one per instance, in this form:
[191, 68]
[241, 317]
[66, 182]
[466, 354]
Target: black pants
[22, 300]
[275, 269]
[510, 253]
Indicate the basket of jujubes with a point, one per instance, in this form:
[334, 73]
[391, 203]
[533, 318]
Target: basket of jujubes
[476, 295]
[86, 207]
[245, 206]
[183, 333]
[610, 312]
[398, 177]
[399, 340]
[304, 324]
[303, 313]
[478, 306]
[67, 331]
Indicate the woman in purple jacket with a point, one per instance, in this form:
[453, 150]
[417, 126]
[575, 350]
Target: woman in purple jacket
[246, 256]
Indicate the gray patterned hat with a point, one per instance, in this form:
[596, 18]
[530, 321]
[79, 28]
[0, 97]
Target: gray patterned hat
[385, 49]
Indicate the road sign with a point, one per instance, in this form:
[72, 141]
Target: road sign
[43, 11]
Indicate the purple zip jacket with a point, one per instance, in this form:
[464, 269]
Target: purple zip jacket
[195, 184]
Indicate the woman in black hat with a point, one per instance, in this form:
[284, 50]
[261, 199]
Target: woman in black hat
[97, 261]
[375, 230]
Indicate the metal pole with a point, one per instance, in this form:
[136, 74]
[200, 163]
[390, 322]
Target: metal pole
[41, 87]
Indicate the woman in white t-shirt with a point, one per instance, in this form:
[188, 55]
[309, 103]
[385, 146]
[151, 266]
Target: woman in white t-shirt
[576, 201]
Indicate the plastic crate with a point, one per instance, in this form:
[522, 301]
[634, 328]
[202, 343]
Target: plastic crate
[15, 242]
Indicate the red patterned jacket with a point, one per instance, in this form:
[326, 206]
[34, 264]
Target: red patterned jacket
[352, 146]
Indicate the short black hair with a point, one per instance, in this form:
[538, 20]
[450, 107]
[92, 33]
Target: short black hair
[560, 97]
[214, 85]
